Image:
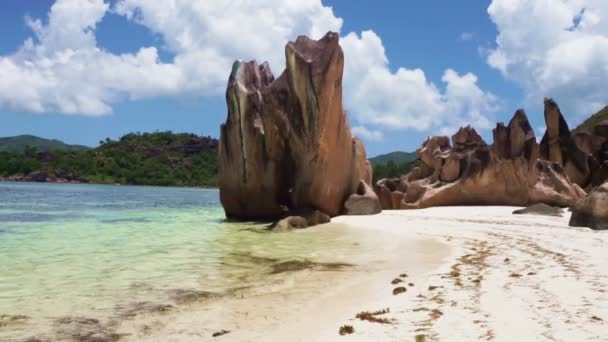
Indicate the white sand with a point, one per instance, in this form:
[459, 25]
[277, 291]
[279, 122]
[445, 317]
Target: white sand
[499, 277]
[561, 295]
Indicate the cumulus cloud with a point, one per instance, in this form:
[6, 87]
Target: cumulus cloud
[406, 99]
[554, 49]
[366, 134]
[63, 68]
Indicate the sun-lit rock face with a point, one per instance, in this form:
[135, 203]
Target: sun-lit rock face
[286, 143]
[514, 170]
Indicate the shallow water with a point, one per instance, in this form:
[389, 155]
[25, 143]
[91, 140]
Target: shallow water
[107, 252]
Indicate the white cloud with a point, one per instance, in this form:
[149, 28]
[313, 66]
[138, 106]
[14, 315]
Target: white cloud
[366, 134]
[406, 99]
[63, 68]
[554, 49]
[466, 36]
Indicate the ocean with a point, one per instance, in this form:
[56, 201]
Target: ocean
[74, 255]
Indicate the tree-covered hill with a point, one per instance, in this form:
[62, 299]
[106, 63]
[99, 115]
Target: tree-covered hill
[593, 120]
[396, 157]
[160, 158]
[393, 164]
[17, 144]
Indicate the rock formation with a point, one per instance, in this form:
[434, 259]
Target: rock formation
[300, 219]
[559, 146]
[514, 170]
[286, 144]
[592, 210]
[363, 202]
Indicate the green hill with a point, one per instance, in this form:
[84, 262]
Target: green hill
[160, 158]
[18, 144]
[593, 120]
[397, 157]
[394, 164]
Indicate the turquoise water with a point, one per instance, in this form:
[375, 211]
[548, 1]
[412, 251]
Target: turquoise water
[99, 251]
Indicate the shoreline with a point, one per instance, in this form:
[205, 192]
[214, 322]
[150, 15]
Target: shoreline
[494, 276]
[6, 180]
[306, 305]
[476, 273]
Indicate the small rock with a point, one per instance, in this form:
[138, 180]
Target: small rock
[515, 275]
[220, 333]
[396, 281]
[431, 288]
[403, 275]
[398, 290]
[531, 273]
[410, 284]
[595, 318]
[299, 219]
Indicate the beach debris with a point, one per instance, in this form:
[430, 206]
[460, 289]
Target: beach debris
[371, 316]
[220, 333]
[410, 284]
[421, 309]
[420, 338]
[596, 318]
[436, 313]
[396, 281]
[346, 330]
[403, 275]
[431, 288]
[399, 290]
[437, 299]
[531, 273]
[515, 275]
[507, 259]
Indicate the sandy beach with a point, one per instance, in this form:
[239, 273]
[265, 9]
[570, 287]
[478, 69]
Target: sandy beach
[508, 278]
[470, 273]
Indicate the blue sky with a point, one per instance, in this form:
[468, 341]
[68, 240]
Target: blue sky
[474, 65]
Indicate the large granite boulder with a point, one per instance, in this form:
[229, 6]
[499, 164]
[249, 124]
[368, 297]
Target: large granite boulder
[470, 172]
[363, 202]
[286, 143]
[592, 210]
